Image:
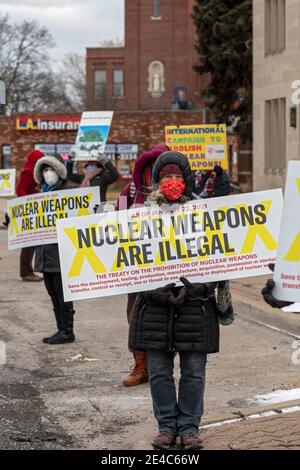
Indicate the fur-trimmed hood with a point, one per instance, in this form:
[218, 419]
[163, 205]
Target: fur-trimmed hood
[55, 162]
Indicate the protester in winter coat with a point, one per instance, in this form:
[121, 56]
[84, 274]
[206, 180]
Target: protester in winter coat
[74, 177]
[177, 319]
[133, 195]
[50, 173]
[213, 183]
[25, 186]
[100, 173]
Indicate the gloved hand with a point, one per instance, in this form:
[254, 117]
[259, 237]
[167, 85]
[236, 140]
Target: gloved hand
[202, 291]
[270, 299]
[226, 318]
[7, 220]
[218, 170]
[162, 295]
[103, 159]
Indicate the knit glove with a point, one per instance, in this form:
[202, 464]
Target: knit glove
[268, 295]
[224, 304]
[163, 295]
[270, 299]
[198, 290]
[103, 159]
[218, 170]
[6, 220]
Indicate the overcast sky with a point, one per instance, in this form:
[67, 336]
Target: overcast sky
[74, 24]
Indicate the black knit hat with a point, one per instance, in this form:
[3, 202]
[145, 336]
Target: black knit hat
[176, 158]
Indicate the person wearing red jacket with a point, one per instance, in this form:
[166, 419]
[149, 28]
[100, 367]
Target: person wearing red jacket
[27, 185]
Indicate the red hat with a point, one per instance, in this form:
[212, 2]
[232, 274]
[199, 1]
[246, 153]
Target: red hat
[170, 169]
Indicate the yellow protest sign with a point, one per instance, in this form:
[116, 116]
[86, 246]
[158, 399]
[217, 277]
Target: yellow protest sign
[205, 146]
[7, 182]
[33, 218]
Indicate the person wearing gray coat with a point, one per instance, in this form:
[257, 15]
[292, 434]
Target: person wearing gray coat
[50, 173]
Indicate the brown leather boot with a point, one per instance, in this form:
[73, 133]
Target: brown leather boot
[139, 373]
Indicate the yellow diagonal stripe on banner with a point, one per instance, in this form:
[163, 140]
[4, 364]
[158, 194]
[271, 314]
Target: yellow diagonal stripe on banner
[87, 211]
[260, 231]
[125, 247]
[213, 235]
[83, 254]
[13, 223]
[6, 183]
[294, 252]
[171, 237]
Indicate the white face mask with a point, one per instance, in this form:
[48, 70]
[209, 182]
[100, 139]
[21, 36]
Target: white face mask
[51, 177]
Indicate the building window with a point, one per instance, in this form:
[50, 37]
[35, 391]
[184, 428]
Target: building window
[100, 84]
[118, 83]
[156, 79]
[156, 9]
[275, 136]
[275, 29]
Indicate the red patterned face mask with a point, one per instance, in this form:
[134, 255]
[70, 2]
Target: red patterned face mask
[172, 189]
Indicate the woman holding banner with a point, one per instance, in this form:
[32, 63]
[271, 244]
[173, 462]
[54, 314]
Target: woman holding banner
[178, 319]
[135, 195]
[50, 173]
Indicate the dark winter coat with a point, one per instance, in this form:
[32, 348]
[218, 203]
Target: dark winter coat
[47, 256]
[191, 326]
[108, 176]
[221, 184]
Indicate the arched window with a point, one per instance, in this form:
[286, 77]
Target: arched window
[156, 79]
[156, 9]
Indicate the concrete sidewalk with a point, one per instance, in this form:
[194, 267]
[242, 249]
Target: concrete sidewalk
[281, 432]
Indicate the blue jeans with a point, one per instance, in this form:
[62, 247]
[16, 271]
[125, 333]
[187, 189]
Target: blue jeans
[183, 415]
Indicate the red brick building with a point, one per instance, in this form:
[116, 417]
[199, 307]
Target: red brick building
[131, 133]
[154, 70]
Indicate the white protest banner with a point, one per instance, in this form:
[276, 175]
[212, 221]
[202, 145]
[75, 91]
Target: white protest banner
[33, 218]
[7, 182]
[287, 269]
[145, 248]
[92, 135]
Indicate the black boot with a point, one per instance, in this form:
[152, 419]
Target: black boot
[66, 334]
[59, 327]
